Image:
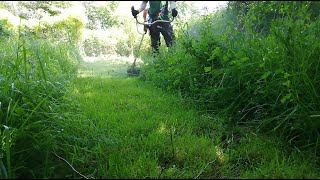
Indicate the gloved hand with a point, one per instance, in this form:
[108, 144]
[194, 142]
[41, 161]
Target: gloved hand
[174, 12]
[134, 12]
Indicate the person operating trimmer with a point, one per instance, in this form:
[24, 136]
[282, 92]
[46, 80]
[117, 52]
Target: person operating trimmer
[158, 10]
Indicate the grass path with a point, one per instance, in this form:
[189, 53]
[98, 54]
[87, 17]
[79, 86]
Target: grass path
[146, 132]
[130, 129]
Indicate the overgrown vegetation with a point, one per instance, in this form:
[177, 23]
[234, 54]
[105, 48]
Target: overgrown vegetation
[35, 73]
[257, 61]
[251, 70]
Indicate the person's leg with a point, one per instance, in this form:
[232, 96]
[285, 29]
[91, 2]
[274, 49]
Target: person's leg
[168, 34]
[155, 37]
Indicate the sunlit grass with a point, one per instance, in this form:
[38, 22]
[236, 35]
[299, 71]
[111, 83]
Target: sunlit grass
[140, 131]
[34, 74]
[108, 66]
[153, 134]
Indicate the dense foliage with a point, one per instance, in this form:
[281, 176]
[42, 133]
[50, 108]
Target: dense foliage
[258, 61]
[36, 68]
[101, 16]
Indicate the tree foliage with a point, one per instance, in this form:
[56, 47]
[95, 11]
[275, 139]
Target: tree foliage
[35, 9]
[101, 16]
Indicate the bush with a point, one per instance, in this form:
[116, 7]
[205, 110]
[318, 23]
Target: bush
[264, 71]
[7, 22]
[65, 27]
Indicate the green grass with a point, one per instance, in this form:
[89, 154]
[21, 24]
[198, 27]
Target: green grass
[33, 84]
[130, 129]
[252, 155]
[146, 132]
[263, 76]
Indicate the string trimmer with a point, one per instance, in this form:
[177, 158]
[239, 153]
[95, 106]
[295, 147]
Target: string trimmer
[133, 70]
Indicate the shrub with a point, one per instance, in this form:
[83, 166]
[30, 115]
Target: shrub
[263, 71]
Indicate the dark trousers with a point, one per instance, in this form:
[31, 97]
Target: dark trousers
[167, 32]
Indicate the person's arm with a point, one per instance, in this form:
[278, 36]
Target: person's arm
[143, 6]
[173, 5]
[145, 12]
[136, 12]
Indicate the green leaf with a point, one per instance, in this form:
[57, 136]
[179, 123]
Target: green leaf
[286, 97]
[254, 18]
[225, 58]
[207, 69]
[215, 53]
[265, 75]
[287, 83]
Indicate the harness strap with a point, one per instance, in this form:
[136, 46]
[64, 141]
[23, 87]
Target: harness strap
[154, 17]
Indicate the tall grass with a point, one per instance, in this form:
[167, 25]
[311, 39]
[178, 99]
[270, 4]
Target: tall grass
[262, 68]
[34, 74]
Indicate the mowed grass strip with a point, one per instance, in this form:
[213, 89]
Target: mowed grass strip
[146, 132]
[128, 128]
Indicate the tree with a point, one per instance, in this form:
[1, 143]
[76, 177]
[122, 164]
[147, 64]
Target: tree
[34, 9]
[101, 15]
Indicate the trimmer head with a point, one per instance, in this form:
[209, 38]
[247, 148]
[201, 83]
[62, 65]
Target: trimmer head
[133, 71]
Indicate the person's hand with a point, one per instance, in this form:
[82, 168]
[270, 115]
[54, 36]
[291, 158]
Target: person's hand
[174, 12]
[134, 12]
